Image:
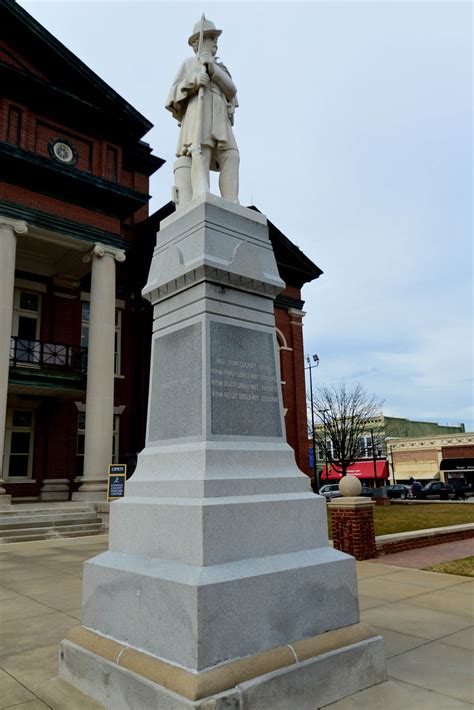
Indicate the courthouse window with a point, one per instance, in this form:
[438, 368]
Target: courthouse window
[19, 443]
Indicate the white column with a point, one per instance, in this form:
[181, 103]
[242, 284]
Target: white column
[9, 228]
[100, 373]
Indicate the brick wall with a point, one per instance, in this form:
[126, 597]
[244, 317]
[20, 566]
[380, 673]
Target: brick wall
[59, 208]
[95, 156]
[353, 529]
[290, 341]
[458, 452]
[389, 548]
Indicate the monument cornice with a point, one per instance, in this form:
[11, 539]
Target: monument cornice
[210, 274]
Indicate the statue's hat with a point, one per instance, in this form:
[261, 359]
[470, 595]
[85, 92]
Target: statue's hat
[208, 27]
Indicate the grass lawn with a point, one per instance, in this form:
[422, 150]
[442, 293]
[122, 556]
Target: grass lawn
[400, 518]
[464, 567]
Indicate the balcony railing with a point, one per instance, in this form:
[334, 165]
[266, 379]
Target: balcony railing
[47, 356]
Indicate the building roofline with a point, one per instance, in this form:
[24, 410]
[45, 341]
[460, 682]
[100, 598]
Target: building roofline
[435, 438]
[77, 65]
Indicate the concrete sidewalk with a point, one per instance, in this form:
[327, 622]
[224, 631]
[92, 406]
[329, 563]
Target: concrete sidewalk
[425, 618]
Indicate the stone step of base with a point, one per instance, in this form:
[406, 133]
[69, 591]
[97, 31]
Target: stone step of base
[14, 510]
[54, 531]
[47, 521]
[49, 534]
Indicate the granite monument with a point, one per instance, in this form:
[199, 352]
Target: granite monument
[219, 588]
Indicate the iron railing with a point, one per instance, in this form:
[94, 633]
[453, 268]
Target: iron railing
[48, 356]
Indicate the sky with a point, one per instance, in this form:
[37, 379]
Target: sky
[355, 135]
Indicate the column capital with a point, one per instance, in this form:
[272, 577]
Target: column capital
[17, 225]
[296, 312]
[101, 250]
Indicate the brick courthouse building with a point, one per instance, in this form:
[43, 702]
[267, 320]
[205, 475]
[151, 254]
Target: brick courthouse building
[75, 246]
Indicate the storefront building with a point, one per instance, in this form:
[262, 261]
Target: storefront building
[446, 458]
[370, 473]
[374, 467]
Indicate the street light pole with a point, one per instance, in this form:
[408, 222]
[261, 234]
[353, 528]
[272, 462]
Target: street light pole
[310, 367]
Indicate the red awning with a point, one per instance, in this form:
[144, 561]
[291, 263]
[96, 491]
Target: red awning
[360, 469]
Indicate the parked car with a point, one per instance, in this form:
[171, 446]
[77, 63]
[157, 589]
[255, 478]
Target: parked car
[438, 490]
[398, 490]
[463, 491]
[330, 490]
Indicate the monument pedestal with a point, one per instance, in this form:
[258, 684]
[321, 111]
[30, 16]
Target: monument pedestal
[219, 584]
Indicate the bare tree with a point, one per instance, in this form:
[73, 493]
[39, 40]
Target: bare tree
[345, 414]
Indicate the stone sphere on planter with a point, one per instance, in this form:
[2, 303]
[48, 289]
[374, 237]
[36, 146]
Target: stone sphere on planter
[350, 486]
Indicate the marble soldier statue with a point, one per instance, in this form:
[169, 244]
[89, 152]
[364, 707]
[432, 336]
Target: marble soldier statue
[203, 99]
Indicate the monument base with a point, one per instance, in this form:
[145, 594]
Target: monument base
[218, 555]
[303, 675]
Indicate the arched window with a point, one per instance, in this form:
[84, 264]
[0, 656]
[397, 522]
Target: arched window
[282, 345]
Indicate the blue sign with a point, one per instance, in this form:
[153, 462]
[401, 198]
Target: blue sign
[116, 481]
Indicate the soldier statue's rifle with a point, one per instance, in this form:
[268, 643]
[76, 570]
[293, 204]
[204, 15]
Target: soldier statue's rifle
[196, 148]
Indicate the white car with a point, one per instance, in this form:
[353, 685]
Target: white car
[330, 490]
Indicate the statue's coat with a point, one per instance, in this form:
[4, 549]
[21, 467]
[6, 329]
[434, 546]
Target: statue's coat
[220, 101]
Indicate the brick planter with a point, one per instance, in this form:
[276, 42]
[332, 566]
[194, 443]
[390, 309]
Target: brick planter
[352, 521]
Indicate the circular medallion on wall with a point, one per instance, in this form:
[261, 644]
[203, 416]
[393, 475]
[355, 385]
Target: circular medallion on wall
[61, 150]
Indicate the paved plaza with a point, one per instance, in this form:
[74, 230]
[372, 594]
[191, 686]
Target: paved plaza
[425, 618]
